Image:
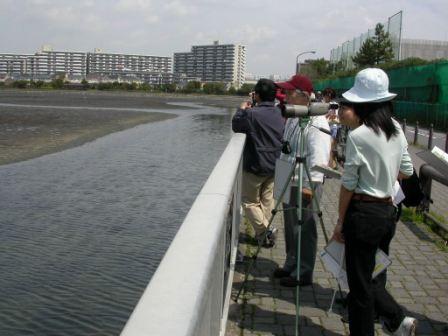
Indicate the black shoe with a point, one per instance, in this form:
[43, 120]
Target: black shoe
[271, 235]
[280, 273]
[267, 239]
[292, 282]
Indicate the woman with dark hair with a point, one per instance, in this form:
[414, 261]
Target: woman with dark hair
[376, 155]
[329, 95]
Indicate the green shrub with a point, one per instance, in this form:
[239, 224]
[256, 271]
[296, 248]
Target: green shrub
[20, 84]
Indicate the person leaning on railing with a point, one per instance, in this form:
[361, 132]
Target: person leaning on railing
[263, 124]
[376, 155]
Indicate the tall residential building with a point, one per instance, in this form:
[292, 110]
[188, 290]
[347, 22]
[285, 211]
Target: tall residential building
[46, 63]
[213, 63]
[151, 69]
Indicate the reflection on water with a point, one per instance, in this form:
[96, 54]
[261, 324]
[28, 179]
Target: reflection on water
[82, 231]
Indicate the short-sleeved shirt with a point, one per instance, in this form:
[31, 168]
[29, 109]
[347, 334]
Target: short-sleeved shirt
[372, 162]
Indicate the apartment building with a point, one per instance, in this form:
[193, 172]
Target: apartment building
[151, 69]
[13, 64]
[213, 63]
[46, 63]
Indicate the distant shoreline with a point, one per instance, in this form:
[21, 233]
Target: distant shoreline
[27, 133]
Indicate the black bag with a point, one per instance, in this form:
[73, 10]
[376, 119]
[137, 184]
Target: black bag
[412, 190]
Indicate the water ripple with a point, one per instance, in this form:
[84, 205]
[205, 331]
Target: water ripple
[82, 231]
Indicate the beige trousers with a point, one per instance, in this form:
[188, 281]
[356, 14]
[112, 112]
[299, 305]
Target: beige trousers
[258, 200]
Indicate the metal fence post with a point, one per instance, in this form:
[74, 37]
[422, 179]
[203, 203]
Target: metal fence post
[404, 126]
[446, 142]
[431, 133]
[416, 133]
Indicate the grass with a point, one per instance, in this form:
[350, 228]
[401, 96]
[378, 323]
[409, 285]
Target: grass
[440, 237]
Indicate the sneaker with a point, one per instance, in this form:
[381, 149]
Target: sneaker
[407, 327]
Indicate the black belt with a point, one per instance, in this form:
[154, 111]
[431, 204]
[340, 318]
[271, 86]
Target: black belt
[371, 199]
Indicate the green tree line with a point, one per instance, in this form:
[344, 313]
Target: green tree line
[193, 87]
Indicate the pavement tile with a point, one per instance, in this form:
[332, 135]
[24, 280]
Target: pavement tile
[417, 278]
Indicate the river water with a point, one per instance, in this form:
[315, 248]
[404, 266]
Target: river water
[83, 230]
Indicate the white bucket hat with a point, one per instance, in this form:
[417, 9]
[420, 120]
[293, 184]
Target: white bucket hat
[371, 86]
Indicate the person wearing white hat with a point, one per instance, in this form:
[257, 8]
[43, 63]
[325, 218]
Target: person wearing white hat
[376, 155]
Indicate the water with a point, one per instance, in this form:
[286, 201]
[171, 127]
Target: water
[83, 230]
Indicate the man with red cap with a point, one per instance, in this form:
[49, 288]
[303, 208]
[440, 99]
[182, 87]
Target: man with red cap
[317, 151]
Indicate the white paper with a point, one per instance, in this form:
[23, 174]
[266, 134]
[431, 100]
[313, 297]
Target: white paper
[442, 155]
[333, 257]
[398, 195]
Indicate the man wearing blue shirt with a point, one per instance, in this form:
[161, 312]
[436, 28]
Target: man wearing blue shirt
[263, 124]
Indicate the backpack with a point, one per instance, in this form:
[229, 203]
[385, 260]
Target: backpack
[412, 190]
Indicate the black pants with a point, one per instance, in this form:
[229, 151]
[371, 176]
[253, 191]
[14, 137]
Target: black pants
[367, 227]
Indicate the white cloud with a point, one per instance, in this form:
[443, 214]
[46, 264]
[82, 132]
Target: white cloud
[253, 34]
[133, 5]
[135, 10]
[274, 32]
[177, 8]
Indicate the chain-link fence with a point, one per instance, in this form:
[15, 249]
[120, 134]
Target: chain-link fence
[348, 49]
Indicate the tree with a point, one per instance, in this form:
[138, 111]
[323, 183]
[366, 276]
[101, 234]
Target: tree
[57, 83]
[245, 89]
[375, 50]
[231, 91]
[20, 84]
[214, 88]
[85, 84]
[316, 69]
[193, 86]
[170, 88]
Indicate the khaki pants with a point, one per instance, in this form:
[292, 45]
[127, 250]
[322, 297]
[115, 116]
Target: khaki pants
[258, 200]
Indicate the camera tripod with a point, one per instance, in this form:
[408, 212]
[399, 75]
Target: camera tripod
[299, 164]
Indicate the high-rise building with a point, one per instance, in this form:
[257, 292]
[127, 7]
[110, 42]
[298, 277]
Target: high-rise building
[213, 63]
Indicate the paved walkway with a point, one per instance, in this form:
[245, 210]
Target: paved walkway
[417, 278]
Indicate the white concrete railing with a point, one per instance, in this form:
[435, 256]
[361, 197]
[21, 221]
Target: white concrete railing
[190, 291]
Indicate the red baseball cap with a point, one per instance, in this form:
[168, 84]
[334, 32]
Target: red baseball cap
[297, 82]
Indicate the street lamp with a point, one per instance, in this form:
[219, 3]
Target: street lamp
[297, 59]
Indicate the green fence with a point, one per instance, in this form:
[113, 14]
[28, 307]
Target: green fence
[422, 92]
[424, 113]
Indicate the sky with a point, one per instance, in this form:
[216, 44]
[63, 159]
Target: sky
[274, 32]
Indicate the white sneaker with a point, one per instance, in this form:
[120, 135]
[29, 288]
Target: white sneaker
[407, 327]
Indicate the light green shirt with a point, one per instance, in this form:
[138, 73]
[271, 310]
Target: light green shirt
[372, 162]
